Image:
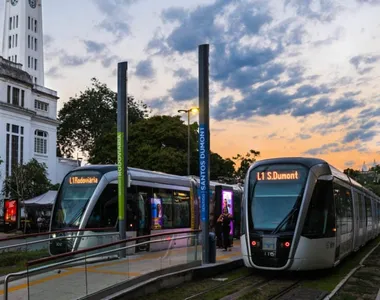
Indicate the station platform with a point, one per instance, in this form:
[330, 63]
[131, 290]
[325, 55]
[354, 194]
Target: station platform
[78, 281]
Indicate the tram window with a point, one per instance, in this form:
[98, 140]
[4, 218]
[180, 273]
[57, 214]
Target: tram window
[343, 201]
[181, 209]
[320, 218]
[105, 212]
[369, 210]
[170, 209]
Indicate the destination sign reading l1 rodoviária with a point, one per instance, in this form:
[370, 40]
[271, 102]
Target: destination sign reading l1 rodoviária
[83, 180]
[278, 175]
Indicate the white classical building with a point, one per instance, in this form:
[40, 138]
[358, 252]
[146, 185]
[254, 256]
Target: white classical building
[28, 110]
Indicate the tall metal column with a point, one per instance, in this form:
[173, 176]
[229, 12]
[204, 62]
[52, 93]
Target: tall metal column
[122, 148]
[204, 146]
[188, 142]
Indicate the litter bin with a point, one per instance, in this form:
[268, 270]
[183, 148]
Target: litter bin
[212, 248]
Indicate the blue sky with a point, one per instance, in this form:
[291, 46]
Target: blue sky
[292, 77]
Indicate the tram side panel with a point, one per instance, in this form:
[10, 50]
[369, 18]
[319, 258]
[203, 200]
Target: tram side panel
[316, 246]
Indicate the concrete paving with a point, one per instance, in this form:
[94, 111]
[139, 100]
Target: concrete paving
[79, 281]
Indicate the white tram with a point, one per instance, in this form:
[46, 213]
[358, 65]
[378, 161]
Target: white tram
[304, 214]
[156, 203]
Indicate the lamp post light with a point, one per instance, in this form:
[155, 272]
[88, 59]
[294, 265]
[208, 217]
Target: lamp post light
[188, 111]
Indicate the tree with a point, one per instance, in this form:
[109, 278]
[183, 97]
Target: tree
[90, 116]
[245, 162]
[221, 168]
[159, 143]
[352, 173]
[27, 181]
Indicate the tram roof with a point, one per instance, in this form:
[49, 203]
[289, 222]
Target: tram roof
[312, 161]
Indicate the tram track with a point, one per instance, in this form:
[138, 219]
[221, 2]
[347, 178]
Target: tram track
[219, 286]
[251, 288]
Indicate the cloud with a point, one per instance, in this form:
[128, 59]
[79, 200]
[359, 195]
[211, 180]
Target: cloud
[349, 163]
[115, 16]
[363, 63]
[68, 60]
[53, 72]
[100, 52]
[184, 90]
[144, 69]
[338, 34]
[373, 2]
[321, 10]
[94, 47]
[48, 41]
[330, 147]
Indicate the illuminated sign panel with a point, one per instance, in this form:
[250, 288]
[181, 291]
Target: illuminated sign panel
[83, 180]
[10, 211]
[278, 175]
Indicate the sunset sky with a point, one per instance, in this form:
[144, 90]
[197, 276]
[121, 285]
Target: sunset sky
[287, 78]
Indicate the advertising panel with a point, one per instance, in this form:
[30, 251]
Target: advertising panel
[156, 205]
[227, 201]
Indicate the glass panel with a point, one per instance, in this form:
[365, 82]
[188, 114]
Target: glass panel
[274, 196]
[105, 212]
[320, 218]
[73, 197]
[59, 282]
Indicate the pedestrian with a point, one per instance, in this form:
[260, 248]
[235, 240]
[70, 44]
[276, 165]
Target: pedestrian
[225, 220]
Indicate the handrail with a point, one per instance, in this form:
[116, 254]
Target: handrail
[57, 238]
[25, 236]
[45, 259]
[27, 272]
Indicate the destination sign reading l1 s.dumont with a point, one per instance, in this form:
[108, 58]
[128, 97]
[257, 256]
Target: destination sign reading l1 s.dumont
[278, 175]
[83, 180]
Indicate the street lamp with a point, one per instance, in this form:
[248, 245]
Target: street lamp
[188, 111]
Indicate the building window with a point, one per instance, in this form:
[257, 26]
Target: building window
[15, 96]
[35, 25]
[22, 98]
[15, 58]
[35, 44]
[16, 21]
[9, 42]
[9, 94]
[40, 142]
[14, 146]
[29, 41]
[28, 22]
[28, 61]
[41, 105]
[16, 39]
[10, 23]
[35, 64]
[35, 80]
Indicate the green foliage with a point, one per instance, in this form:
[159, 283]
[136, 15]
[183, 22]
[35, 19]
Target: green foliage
[245, 162]
[220, 167]
[91, 115]
[158, 143]
[13, 258]
[27, 181]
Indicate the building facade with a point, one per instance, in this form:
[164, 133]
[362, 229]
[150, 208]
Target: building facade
[28, 110]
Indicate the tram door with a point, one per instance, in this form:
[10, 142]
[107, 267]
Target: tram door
[143, 216]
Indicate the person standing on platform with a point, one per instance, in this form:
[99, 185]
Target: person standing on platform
[225, 220]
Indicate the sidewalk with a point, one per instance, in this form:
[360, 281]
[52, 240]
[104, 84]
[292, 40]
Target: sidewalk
[75, 282]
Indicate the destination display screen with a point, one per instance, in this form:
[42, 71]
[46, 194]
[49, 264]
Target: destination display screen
[290, 175]
[75, 180]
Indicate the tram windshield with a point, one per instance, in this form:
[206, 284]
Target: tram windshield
[73, 197]
[275, 195]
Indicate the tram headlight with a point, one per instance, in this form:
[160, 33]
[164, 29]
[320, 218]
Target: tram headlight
[53, 235]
